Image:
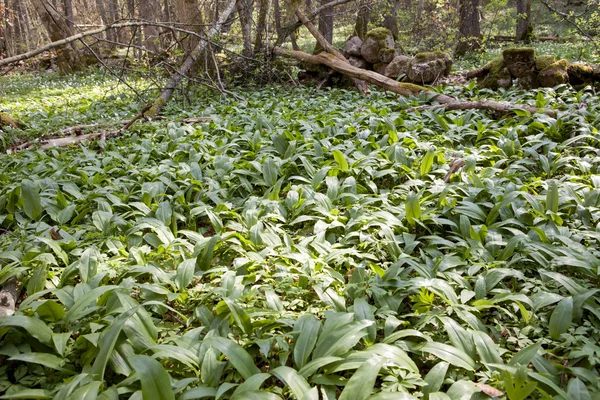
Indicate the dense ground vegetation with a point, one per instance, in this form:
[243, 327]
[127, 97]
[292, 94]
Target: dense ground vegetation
[301, 244]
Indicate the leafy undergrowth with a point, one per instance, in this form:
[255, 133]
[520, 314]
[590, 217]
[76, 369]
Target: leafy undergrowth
[303, 244]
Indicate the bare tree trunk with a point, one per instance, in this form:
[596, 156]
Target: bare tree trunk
[469, 37]
[361, 27]
[524, 27]
[244, 10]
[389, 19]
[261, 24]
[325, 26]
[102, 12]
[189, 62]
[68, 6]
[68, 58]
[114, 16]
[147, 10]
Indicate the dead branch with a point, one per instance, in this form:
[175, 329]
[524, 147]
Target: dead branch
[178, 76]
[360, 84]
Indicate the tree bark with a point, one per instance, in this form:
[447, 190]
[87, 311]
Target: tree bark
[244, 10]
[389, 20]
[147, 10]
[103, 17]
[361, 27]
[178, 76]
[68, 58]
[524, 27]
[404, 89]
[68, 7]
[469, 37]
[325, 26]
[189, 15]
[261, 25]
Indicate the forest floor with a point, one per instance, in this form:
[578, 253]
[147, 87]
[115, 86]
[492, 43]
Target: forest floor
[301, 243]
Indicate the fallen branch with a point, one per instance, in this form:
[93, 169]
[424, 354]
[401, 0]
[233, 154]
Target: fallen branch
[360, 84]
[406, 89]
[185, 67]
[61, 140]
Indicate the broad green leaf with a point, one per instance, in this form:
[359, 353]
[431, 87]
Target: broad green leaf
[561, 318]
[340, 159]
[308, 327]
[413, 208]
[525, 355]
[84, 301]
[156, 384]
[552, 197]
[290, 377]
[239, 358]
[50, 311]
[338, 342]
[30, 194]
[34, 326]
[240, 316]
[427, 161]
[577, 390]
[362, 383]
[28, 394]
[486, 348]
[45, 359]
[449, 354]
[435, 378]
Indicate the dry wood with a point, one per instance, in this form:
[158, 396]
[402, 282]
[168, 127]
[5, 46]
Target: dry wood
[189, 62]
[360, 84]
[9, 296]
[406, 89]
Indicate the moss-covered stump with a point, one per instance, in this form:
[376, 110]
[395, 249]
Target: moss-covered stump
[519, 60]
[429, 66]
[554, 74]
[378, 46]
[497, 76]
[580, 74]
[7, 120]
[544, 61]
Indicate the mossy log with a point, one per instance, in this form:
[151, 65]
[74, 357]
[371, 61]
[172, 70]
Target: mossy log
[404, 89]
[7, 120]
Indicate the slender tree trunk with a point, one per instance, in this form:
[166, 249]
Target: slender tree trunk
[325, 26]
[363, 17]
[68, 58]
[189, 15]
[114, 16]
[147, 9]
[68, 7]
[189, 62]
[261, 24]
[469, 37]
[524, 27]
[390, 18]
[244, 10]
[4, 29]
[102, 11]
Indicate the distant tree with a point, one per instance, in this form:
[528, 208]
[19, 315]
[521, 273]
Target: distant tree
[524, 27]
[325, 25]
[362, 18]
[68, 58]
[469, 37]
[390, 19]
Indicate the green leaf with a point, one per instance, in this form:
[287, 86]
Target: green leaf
[340, 159]
[435, 378]
[33, 326]
[28, 394]
[238, 357]
[339, 341]
[427, 161]
[293, 379]
[308, 327]
[240, 316]
[449, 354]
[156, 384]
[84, 301]
[361, 384]
[45, 359]
[30, 194]
[486, 348]
[413, 208]
[525, 355]
[561, 318]
[577, 390]
[552, 197]
[50, 311]
[197, 393]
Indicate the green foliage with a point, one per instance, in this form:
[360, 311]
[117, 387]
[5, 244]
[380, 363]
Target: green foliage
[305, 245]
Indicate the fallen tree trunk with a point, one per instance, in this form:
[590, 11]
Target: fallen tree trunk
[360, 84]
[189, 62]
[7, 120]
[405, 89]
